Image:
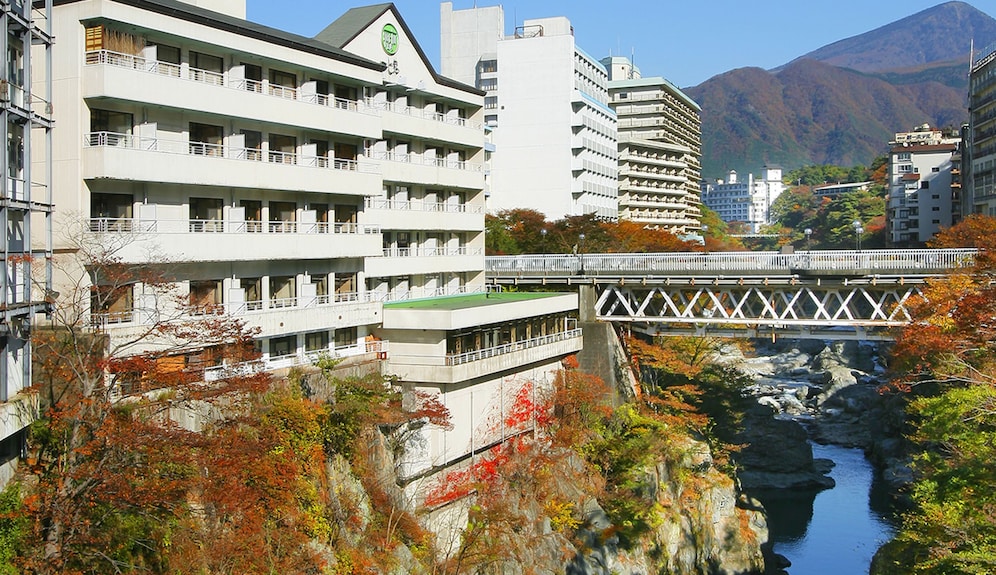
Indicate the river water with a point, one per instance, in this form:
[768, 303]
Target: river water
[836, 531]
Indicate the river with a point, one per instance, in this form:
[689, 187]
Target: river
[838, 531]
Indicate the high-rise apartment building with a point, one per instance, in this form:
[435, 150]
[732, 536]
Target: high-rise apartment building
[555, 134]
[660, 149]
[328, 191]
[924, 181]
[747, 203]
[25, 209]
[979, 155]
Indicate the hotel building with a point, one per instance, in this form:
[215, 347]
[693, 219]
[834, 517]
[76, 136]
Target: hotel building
[555, 134]
[924, 182]
[660, 149]
[314, 187]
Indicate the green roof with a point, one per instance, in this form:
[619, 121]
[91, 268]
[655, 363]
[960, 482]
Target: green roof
[468, 301]
[354, 21]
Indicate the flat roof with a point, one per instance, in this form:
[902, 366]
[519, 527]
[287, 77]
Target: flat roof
[470, 301]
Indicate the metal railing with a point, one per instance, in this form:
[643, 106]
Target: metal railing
[421, 206]
[417, 159]
[269, 363]
[430, 252]
[138, 225]
[871, 261]
[479, 354]
[135, 62]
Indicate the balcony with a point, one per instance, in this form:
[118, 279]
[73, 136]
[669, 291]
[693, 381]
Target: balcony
[455, 368]
[219, 240]
[430, 125]
[274, 317]
[409, 261]
[109, 74]
[420, 215]
[431, 171]
[372, 349]
[119, 156]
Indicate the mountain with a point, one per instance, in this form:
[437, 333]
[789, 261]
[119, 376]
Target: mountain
[842, 103]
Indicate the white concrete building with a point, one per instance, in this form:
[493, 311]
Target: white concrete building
[297, 183]
[924, 178]
[660, 149]
[745, 202]
[26, 211]
[556, 134]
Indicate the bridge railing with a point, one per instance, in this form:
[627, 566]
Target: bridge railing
[925, 261]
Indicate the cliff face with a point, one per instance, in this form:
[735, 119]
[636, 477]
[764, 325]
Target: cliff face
[705, 526]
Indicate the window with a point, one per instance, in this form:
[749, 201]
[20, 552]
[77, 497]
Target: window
[254, 214]
[316, 341]
[110, 128]
[283, 149]
[110, 212]
[924, 185]
[935, 221]
[206, 62]
[283, 291]
[168, 54]
[205, 296]
[206, 215]
[253, 142]
[345, 337]
[283, 346]
[491, 103]
[935, 169]
[935, 196]
[285, 79]
[206, 140]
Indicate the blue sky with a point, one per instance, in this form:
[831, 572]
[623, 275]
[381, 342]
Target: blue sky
[685, 41]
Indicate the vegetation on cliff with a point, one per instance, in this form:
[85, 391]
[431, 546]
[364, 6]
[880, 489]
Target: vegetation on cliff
[946, 361]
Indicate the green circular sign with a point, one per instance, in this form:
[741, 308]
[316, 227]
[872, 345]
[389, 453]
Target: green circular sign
[389, 39]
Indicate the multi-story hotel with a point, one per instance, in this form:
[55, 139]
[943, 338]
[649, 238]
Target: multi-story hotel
[555, 134]
[746, 202]
[314, 187]
[979, 156]
[25, 208]
[660, 149]
[924, 182]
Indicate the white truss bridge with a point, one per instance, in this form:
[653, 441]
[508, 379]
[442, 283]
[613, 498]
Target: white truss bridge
[817, 294]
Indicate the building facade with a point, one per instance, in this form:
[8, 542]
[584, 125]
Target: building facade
[300, 184]
[747, 203]
[924, 184]
[26, 210]
[555, 134]
[979, 155]
[660, 149]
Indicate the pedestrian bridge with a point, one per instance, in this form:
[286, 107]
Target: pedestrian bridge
[814, 294]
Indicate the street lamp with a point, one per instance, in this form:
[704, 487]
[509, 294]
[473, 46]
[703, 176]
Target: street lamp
[581, 252]
[809, 234]
[543, 240]
[858, 230]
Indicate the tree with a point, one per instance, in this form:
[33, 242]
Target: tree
[946, 359]
[104, 419]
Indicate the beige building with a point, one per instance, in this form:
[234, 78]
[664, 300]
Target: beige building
[660, 149]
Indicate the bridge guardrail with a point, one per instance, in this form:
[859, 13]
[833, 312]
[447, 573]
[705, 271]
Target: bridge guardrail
[908, 261]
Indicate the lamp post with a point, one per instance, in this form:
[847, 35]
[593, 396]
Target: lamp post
[858, 230]
[809, 234]
[543, 240]
[581, 252]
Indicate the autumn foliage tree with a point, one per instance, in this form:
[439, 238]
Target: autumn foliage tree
[945, 359]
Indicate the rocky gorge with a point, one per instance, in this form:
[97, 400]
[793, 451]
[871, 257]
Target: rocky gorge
[812, 391]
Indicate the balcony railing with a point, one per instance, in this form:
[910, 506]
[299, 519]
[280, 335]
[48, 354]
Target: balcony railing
[269, 363]
[129, 225]
[479, 354]
[423, 293]
[421, 206]
[430, 252]
[416, 112]
[417, 159]
[213, 150]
